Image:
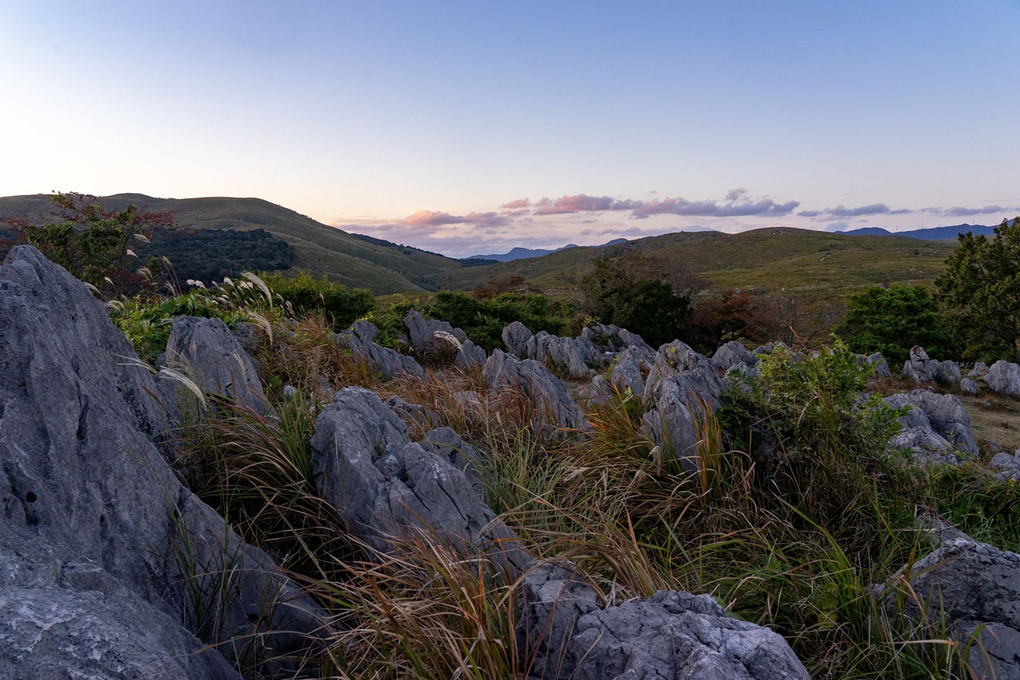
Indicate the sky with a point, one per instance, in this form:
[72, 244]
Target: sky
[474, 127]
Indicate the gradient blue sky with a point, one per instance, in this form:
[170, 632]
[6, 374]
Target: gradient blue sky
[444, 125]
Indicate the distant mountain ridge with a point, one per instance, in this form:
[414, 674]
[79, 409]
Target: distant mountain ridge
[929, 234]
[522, 253]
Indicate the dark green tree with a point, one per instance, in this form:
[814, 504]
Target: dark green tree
[892, 320]
[981, 289]
[92, 242]
[639, 293]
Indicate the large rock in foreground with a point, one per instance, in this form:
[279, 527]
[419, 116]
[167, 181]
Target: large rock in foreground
[546, 392]
[97, 530]
[669, 635]
[681, 384]
[975, 589]
[384, 484]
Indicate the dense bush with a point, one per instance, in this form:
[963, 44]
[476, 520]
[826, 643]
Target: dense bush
[638, 293]
[981, 287]
[892, 320]
[307, 294]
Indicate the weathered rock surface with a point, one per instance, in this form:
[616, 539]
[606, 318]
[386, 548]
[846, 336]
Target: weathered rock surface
[680, 383]
[669, 635]
[978, 587]
[384, 484]
[206, 351]
[731, 354]
[943, 414]
[610, 339]
[415, 414]
[969, 387]
[919, 367]
[516, 336]
[569, 356]
[629, 369]
[444, 441]
[360, 339]
[947, 372]
[1006, 465]
[438, 340]
[545, 391]
[52, 632]
[880, 364]
[1004, 378]
[90, 504]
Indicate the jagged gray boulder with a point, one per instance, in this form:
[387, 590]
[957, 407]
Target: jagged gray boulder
[919, 367]
[206, 351]
[90, 504]
[943, 414]
[1004, 378]
[545, 391]
[680, 383]
[386, 485]
[731, 354]
[610, 339]
[880, 364]
[52, 632]
[444, 441]
[414, 414]
[969, 387]
[629, 369]
[1006, 465]
[980, 370]
[669, 635]
[438, 340]
[947, 372]
[572, 357]
[975, 587]
[360, 339]
[516, 336]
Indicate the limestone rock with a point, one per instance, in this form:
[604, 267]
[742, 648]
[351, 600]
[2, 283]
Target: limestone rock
[386, 485]
[207, 351]
[947, 372]
[1004, 378]
[978, 587]
[546, 391]
[669, 635]
[680, 383]
[444, 441]
[969, 387]
[919, 367]
[731, 354]
[569, 356]
[1006, 465]
[629, 369]
[437, 341]
[880, 364]
[90, 503]
[944, 414]
[360, 339]
[516, 336]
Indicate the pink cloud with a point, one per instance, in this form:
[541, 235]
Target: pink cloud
[517, 204]
[582, 203]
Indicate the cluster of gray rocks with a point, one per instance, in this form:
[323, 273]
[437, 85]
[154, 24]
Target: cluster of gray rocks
[110, 567]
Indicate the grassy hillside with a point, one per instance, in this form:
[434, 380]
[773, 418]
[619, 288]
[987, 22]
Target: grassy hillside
[350, 259]
[812, 270]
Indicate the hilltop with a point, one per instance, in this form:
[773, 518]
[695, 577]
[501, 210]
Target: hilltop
[351, 259]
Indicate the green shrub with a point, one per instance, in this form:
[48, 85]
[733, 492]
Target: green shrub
[307, 294]
[892, 320]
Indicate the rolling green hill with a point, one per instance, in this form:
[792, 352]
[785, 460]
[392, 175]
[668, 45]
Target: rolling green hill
[353, 260]
[811, 271]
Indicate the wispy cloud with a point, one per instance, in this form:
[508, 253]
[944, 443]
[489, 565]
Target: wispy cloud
[516, 204]
[582, 203]
[841, 211]
[960, 211]
[431, 218]
[737, 204]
